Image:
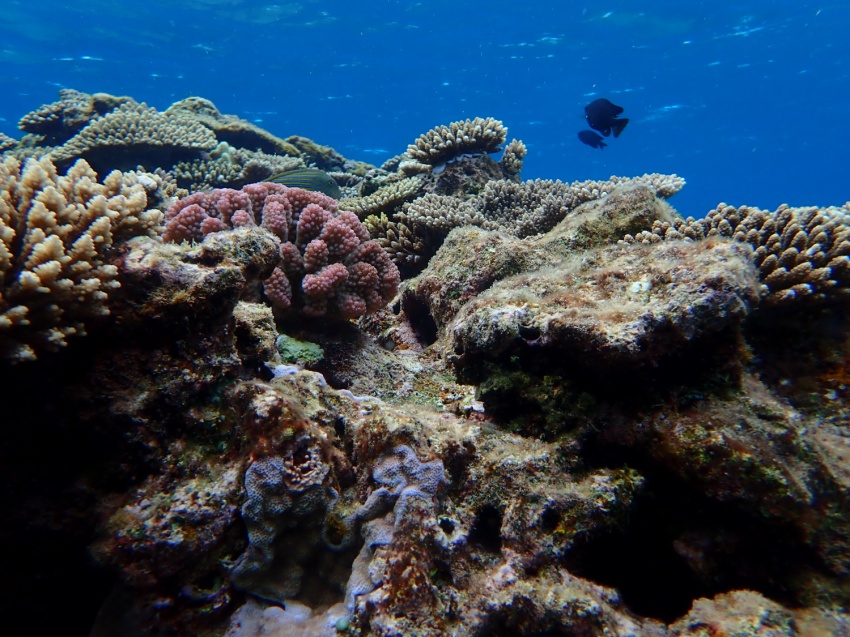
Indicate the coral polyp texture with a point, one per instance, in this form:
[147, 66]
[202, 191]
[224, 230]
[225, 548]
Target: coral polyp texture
[56, 237]
[329, 266]
[443, 143]
[802, 254]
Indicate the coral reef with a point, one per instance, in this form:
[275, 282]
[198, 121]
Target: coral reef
[191, 144]
[6, 142]
[386, 199]
[230, 167]
[57, 236]
[553, 431]
[59, 121]
[803, 254]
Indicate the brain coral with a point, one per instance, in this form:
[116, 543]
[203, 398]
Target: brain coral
[56, 234]
[803, 254]
[329, 267]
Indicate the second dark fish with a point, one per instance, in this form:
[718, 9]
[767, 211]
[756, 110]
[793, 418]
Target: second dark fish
[594, 140]
[602, 114]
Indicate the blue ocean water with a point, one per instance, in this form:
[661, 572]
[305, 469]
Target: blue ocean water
[746, 100]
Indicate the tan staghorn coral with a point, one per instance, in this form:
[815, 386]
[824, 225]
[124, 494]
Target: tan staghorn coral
[405, 248]
[443, 143]
[801, 253]
[158, 138]
[55, 236]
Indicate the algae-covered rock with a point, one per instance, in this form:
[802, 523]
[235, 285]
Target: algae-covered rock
[612, 308]
[293, 351]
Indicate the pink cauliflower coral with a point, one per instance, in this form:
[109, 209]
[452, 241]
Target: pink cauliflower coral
[329, 266]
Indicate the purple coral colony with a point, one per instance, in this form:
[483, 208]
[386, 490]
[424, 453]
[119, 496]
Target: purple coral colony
[445, 402]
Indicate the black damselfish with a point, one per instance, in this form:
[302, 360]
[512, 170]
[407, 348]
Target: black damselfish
[592, 139]
[601, 115]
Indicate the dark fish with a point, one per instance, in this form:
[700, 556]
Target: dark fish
[308, 179]
[601, 115]
[592, 139]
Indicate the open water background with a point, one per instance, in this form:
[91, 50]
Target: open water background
[746, 100]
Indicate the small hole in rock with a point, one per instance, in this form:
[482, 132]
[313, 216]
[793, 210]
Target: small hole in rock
[487, 529]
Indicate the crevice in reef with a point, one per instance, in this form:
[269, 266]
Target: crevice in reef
[544, 397]
[419, 315]
[486, 529]
[678, 546]
[811, 369]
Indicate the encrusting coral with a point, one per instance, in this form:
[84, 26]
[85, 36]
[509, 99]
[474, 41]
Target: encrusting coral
[329, 266]
[802, 254]
[56, 236]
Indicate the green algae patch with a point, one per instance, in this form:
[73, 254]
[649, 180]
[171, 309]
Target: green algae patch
[292, 351]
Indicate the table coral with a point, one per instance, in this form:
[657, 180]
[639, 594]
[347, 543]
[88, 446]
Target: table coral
[57, 122]
[329, 266]
[441, 144]
[140, 135]
[57, 234]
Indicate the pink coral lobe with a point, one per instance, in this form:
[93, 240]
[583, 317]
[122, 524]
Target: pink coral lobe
[329, 267]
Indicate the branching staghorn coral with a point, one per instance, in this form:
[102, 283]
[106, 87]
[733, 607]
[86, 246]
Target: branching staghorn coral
[405, 249]
[441, 144]
[524, 209]
[55, 237]
[803, 254]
